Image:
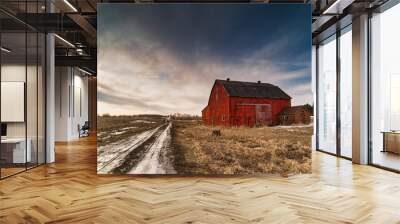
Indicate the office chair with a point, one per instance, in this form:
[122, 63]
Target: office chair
[84, 130]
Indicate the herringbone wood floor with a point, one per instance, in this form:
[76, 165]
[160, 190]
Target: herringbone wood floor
[69, 191]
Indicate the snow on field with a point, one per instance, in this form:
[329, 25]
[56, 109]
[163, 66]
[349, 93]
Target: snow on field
[113, 155]
[155, 161]
[143, 121]
[294, 126]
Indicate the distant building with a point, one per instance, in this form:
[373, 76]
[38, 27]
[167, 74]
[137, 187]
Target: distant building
[235, 103]
[296, 115]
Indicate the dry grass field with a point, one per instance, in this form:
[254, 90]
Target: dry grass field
[242, 150]
[154, 144]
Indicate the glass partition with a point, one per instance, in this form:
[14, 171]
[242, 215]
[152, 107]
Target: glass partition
[22, 77]
[13, 109]
[327, 96]
[31, 100]
[385, 89]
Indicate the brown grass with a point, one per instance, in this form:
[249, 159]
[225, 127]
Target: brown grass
[241, 150]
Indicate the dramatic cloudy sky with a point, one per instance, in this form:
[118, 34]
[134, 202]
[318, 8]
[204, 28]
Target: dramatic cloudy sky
[162, 59]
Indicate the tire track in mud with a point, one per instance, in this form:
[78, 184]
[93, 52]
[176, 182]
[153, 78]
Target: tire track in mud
[156, 160]
[124, 150]
[160, 142]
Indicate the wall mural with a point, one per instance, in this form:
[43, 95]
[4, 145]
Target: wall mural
[205, 89]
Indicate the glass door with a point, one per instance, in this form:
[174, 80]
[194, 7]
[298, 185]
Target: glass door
[14, 155]
[326, 109]
[345, 92]
[385, 89]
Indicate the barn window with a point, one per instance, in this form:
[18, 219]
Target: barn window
[223, 118]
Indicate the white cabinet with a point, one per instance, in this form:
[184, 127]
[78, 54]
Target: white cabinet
[19, 155]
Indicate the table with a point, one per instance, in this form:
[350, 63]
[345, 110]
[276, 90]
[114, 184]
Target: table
[391, 141]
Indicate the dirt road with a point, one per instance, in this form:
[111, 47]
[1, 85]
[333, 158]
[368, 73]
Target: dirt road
[144, 153]
[156, 161]
[111, 156]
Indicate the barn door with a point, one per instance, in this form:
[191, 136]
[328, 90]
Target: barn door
[263, 115]
[268, 114]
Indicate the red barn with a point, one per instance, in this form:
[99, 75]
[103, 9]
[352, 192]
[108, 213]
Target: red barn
[234, 103]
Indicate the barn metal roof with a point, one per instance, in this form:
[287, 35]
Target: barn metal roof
[253, 89]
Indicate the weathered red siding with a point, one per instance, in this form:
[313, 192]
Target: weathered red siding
[238, 111]
[246, 114]
[217, 110]
[298, 116]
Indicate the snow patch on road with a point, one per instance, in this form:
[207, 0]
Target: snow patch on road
[118, 132]
[127, 128]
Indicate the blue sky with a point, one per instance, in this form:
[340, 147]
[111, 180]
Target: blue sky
[164, 58]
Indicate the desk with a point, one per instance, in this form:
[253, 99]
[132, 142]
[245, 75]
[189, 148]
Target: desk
[13, 150]
[391, 141]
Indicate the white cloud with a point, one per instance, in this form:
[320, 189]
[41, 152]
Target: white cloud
[156, 81]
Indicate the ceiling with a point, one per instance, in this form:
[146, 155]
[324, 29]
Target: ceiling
[75, 21]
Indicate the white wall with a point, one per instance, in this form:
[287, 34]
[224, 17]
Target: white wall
[62, 81]
[70, 83]
[80, 104]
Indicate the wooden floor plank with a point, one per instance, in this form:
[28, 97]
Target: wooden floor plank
[70, 191]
